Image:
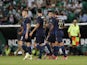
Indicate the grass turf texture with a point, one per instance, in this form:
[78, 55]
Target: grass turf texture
[18, 60]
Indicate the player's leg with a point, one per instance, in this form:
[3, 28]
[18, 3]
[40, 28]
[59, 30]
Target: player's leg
[28, 49]
[55, 51]
[48, 50]
[51, 39]
[40, 47]
[20, 43]
[20, 47]
[63, 50]
[60, 42]
[54, 47]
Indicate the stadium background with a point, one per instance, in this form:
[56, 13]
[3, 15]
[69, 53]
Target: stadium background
[11, 7]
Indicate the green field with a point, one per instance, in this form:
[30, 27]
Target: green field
[17, 60]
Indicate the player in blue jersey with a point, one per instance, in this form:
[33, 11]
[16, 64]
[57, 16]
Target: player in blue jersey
[59, 34]
[40, 33]
[51, 33]
[25, 35]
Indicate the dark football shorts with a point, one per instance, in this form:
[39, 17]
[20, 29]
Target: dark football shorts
[26, 40]
[59, 36]
[40, 39]
[52, 38]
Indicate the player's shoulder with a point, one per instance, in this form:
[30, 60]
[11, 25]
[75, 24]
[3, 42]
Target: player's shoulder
[40, 17]
[28, 20]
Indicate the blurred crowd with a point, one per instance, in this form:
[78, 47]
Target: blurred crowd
[10, 10]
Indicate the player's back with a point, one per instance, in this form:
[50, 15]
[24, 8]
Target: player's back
[58, 27]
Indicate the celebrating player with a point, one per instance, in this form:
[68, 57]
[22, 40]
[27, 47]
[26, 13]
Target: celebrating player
[26, 38]
[51, 33]
[19, 37]
[40, 34]
[59, 34]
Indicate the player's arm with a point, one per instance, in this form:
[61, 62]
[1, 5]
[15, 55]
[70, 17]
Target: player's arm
[51, 28]
[21, 31]
[46, 25]
[27, 30]
[35, 28]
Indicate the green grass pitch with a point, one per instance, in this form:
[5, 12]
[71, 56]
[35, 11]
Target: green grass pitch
[18, 60]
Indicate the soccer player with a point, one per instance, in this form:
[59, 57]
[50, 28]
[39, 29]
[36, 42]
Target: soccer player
[51, 33]
[19, 37]
[74, 34]
[40, 33]
[59, 34]
[26, 38]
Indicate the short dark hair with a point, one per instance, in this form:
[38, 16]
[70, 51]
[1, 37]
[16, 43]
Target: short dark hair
[25, 10]
[50, 11]
[56, 12]
[39, 11]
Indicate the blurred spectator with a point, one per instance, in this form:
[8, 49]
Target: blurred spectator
[39, 3]
[78, 7]
[71, 16]
[84, 5]
[30, 14]
[83, 17]
[34, 8]
[7, 50]
[18, 13]
[62, 16]
[48, 2]
[10, 12]
[30, 3]
[11, 15]
[24, 3]
[3, 18]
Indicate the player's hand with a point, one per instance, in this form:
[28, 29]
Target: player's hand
[19, 33]
[26, 36]
[31, 34]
